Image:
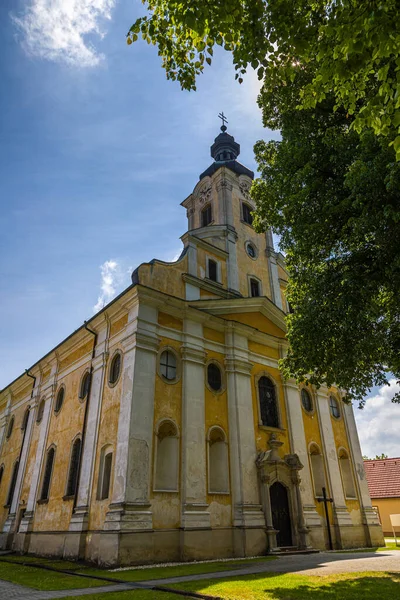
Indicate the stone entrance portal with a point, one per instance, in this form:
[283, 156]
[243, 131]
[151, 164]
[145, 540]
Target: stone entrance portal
[280, 491]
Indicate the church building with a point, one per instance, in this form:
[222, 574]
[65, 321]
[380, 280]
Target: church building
[162, 428]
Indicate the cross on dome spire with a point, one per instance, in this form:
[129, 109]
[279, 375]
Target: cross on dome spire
[224, 120]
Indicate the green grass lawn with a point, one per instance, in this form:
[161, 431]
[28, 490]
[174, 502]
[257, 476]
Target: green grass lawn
[272, 586]
[41, 579]
[138, 574]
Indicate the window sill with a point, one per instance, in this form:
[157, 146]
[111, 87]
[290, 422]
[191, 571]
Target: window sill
[246, 223]
[43, 501]
[213, 282]
[219, 493]
[69, 497]
[271, 428]
[166, 491]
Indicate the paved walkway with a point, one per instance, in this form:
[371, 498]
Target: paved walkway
[323, 563]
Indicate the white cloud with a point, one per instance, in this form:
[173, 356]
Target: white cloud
[113, 280]
[378, 423]
[57, 29]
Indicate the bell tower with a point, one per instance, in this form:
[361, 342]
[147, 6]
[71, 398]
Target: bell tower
[226, 255]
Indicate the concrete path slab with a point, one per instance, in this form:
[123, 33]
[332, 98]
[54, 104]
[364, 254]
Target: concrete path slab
[324, 563]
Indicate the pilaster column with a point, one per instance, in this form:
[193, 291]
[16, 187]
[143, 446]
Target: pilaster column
[23, 456]
[242, 445]
[224, 190]
[193, 474]
[271, 531]
[80, 515]
[299, 447]
[130, 506]
[369, 516]
[340, 512]
[232, 266]
[3, 421]
[47, 394]
[273, 270]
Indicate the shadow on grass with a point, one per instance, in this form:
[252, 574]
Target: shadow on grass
[275, 586]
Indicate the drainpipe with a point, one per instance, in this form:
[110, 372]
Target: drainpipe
[85, 416]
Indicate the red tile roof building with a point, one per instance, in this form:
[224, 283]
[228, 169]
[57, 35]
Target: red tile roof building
[383, 477]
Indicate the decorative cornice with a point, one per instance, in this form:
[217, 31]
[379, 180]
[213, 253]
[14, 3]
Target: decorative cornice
[195, 355]
[209, 286]
[238, 365]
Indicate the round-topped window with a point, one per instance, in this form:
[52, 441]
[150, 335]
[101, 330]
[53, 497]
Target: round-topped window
[306, 400]
[59, 399]
[251, 250]
[334, 407]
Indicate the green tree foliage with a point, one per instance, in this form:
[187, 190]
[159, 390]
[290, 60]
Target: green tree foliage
[333, 196]
[354, 46]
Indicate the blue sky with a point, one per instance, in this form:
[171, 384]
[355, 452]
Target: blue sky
[97, 150]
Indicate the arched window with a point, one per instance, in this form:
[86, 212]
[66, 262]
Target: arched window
[214, 377]
[306, 400]
[268, 402]
[12, 483]
[25, 420]
[1, 472]
[206, 216]
[347, 475]
[168, 365]
[115, 369]
[334, 407]
[59, 399]
[218, 467]
[317, 469]
[48, 471]
[40, 411]
[85, 385]
[254, 288]
[167, 458]
[246, 213]
[104, 481]
[73, 468]
[10, 427]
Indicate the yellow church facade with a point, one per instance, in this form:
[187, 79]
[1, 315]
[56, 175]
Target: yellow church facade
[162, 428]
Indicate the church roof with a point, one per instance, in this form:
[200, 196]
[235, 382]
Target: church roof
[225, 151]
[383, 477]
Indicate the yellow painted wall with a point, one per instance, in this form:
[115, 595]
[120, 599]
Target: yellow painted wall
[78, 353]
[213, 335]
[167, 405]
[264, 350]
[118, 325]
[63, 428]
[169, 321]
[166, 278]
[387, 507]
[257, 321]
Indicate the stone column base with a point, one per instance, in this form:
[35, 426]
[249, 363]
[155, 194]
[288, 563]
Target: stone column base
[129, 517]
[196, 516]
